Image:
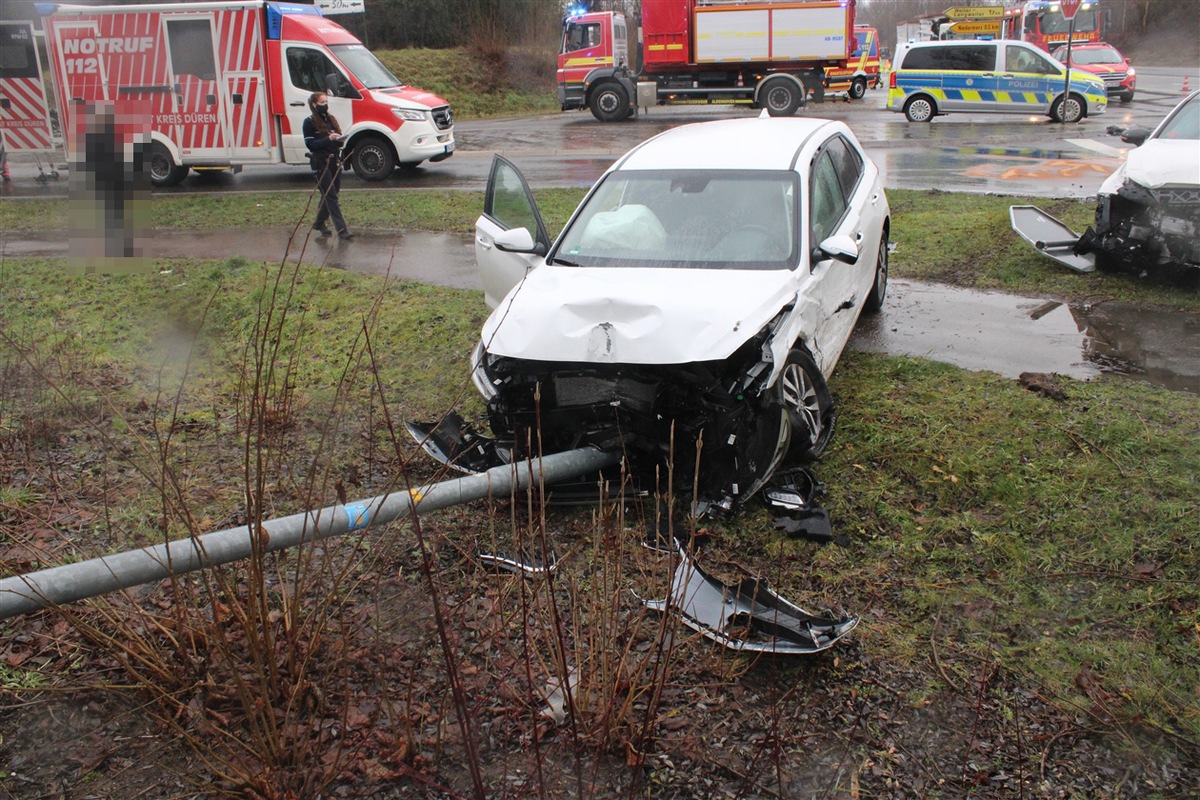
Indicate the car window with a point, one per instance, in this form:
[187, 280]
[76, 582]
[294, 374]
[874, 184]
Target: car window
[846, 163]
[828, 200]
[959, 58]
[1184, 123]
[1022, 59]
[507, 201]
[735, 219]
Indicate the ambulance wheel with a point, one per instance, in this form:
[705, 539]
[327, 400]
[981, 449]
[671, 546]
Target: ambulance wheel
[781, 97]
[920, 109]
[372, 159]
[858, 88]
[162, 168]
[610, 102]
[1068, 110]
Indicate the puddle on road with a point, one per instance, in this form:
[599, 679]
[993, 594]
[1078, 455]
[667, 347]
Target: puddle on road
[974, 330]
[1009, 335]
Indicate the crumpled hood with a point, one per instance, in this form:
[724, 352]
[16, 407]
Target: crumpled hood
[1164, 162]
[408, 97]
[635, 316]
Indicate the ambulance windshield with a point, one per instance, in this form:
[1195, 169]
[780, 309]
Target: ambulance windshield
[363, 64]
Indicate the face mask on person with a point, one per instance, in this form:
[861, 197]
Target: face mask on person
[321, 108]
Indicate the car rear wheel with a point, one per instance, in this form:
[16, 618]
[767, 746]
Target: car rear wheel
[920, 109]
[1067, 110]
[805, 398]
[879, 288]
[372, 159]
[858, 88]
[781, 97]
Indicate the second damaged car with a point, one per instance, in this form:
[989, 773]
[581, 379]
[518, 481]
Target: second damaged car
[691, 309]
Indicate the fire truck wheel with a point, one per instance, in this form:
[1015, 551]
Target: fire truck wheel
[610, 102]
[858, 88]
[781, 97]
[162, 168]
[1069, 110]
[372, 159]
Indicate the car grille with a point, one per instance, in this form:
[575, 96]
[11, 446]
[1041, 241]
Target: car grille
[443, 118]
[1111, 76]
[1176, 197]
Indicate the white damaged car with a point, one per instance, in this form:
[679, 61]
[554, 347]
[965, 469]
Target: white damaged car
[692, 308]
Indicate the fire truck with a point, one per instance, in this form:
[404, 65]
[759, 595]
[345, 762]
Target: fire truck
[219, 85]
[772, 53]
[1041, 23]
[863, 68]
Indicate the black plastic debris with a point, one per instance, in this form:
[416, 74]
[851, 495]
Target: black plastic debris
[749, 616]
[791, 500]
[453, 442]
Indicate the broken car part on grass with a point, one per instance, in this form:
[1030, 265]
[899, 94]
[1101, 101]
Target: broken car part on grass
[1147, 212]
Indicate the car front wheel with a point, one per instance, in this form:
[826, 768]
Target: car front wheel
[805, 398]
[919, 109]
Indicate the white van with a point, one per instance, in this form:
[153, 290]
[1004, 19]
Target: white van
[932, 78]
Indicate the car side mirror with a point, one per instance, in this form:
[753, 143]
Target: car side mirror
[519, 240]
[839, 248]
[1128, 60]
[1135, 136]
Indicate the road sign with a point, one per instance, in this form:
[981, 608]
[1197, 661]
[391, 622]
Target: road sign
[976, 28]
[330, 7]
[1069, 7]
[976, 12]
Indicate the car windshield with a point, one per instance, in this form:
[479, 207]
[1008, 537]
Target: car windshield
[1184, 122]
[365, 66]
[1098, 55]
[688, 219]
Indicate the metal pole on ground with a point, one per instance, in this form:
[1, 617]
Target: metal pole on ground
[22, 594]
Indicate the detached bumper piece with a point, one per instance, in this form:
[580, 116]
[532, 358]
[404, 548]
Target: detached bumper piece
[452, 442]
[748, 617]
[1050, 237]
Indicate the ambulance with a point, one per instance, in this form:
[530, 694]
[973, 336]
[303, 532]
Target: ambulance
[220, 85]
[862, 70]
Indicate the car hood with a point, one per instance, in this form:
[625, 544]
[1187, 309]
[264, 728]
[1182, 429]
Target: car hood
[1164, 162]
[642, 316]
[408, 97]
[1100, 69]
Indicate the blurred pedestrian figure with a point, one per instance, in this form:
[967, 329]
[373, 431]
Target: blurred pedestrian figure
[323, 138]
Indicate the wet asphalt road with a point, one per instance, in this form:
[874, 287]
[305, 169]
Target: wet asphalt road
[1008, 154]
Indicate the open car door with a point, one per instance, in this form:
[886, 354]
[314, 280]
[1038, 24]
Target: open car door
[508, 209]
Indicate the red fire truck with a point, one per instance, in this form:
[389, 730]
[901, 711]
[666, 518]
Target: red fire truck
[1041, 23]
[771, 52]
[218, 85]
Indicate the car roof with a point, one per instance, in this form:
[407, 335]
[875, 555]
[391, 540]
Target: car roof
[767, 143]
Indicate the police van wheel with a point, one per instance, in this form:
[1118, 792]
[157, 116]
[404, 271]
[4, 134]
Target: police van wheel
[162, 168]
[1068, 110]
[858, 88]
[372, 159]
[920, 109]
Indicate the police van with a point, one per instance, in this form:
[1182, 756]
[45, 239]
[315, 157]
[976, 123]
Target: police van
[932, 78]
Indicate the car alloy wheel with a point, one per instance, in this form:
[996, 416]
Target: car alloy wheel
[805, 396]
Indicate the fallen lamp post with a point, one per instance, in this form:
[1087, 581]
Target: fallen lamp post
[22, 594]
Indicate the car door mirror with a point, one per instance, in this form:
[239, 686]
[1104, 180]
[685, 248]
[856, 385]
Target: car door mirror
[519, 240]
[839, 248]
[1135, 135]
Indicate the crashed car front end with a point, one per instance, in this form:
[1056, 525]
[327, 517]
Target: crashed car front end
[665, 417]
[1147, 231]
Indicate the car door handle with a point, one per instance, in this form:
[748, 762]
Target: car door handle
[875, 198]
[858, 237]
[988, 75]
[484, 243]
[1008, 75]
[297, 105]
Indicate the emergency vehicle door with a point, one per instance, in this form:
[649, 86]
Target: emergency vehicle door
[196, 121]
[1029, 77]
[81, 74]
[309, 69]
[24, 109]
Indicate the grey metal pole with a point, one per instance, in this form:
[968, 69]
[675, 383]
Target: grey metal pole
[21, 594]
